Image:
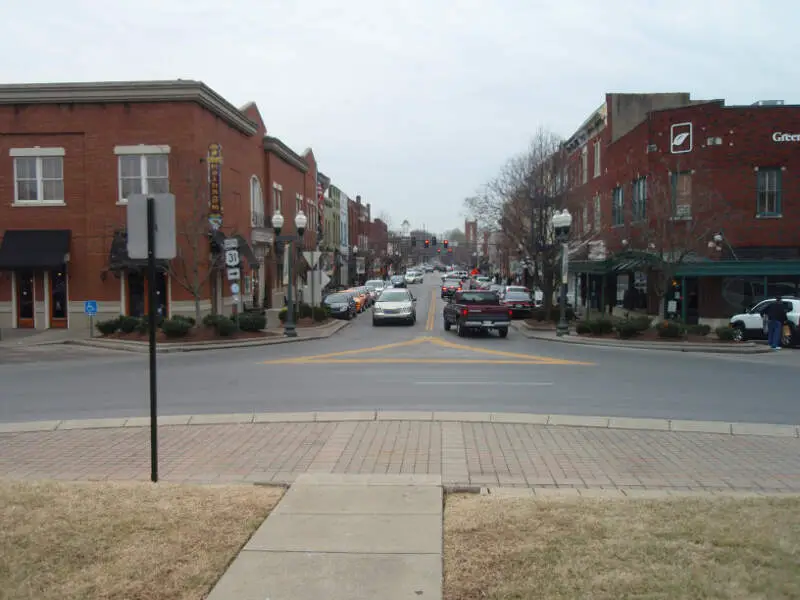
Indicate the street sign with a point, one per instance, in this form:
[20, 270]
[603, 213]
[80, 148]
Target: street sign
[231, 243]
[232, 258]
[234, 274]
[234, 288]
[165, 246]
[90, 308]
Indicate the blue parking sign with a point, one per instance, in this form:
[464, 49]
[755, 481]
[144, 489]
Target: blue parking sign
[90, 307]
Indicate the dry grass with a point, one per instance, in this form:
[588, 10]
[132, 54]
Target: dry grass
[105, 541]
[683, 548]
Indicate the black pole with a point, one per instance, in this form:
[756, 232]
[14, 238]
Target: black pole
[563, 327]
[288, 328]
[151, 313]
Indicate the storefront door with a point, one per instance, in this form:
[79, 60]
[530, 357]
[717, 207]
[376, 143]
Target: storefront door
[58, 298]
[26, 306]
[138, 294]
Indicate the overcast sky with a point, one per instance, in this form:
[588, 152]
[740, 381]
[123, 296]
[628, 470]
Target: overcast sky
[414, 103]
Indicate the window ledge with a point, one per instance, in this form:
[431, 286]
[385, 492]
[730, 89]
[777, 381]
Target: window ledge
[40, 204]
[680, 218]
[122, 203]
[769, 216]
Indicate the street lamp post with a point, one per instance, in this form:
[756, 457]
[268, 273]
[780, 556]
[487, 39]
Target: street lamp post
[355, 264]
[300, 222]
[562, 221]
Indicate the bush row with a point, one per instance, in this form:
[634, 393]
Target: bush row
[304, 311]
[179, 325]
[540, 314]
[634, 326]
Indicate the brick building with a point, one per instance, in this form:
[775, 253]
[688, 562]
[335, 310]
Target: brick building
[358, 220]
[71, 153]
[710, 187]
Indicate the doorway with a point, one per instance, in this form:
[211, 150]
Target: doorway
[138, 294]
[26, 305]
[58, 298]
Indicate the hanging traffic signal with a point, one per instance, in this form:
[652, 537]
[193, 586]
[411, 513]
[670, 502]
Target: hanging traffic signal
[446, 243]
[450, 250]
[427, 243]
[433, 240]
[438, 251]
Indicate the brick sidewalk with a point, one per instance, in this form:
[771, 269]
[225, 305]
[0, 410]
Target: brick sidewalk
[464, 453]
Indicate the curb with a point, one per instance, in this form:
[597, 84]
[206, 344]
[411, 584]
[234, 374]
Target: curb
[143, 347]
[624, 423]
[741, 348]
[570, 493]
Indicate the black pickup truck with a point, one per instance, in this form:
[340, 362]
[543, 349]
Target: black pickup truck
[476, 310]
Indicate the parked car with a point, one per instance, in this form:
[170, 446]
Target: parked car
[476, 311]
[395, 305]
[341, 305]
[375, 287]
[752, 324]
[519, 304]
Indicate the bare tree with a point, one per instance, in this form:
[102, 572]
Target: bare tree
[194, 265]
[670, 220]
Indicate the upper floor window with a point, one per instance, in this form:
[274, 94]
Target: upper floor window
[256, 203]
[617, 207]
[277, 200]
[587, 225]
[681, 186]
[598, 212]
[585, 164]
[298, 203]
[38, 175]
[597, 158]
[142, 170]
[639, 200]
[768, 200]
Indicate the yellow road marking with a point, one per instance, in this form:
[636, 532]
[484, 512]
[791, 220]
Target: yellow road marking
[508, 358]
[431, 312]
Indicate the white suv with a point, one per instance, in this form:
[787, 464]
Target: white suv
[753, 323]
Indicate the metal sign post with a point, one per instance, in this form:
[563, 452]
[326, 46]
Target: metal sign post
[151, 219]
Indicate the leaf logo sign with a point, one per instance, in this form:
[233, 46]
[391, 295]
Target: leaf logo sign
[681, 138]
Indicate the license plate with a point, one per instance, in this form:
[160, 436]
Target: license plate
[487, 322]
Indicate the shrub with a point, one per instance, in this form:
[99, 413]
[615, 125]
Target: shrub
[252, 322]
[211, 320]
[320, 313]
[641, 323]
[225, 326]
[190, 320]
[600, 326]
[583, 328]
[555, 314]
[671, 329]
[284, 312]
[538, 314]
[628, 328]
[108, 327]
[128, 324]
[725, 333]
[304, 311]
[176, 327]
[699, 329]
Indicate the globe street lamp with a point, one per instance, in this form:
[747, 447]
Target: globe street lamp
[300, 222]
[562, 221]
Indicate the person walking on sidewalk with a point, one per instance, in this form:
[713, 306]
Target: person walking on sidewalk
[776, 317]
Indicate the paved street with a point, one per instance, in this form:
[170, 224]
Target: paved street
[404, 368]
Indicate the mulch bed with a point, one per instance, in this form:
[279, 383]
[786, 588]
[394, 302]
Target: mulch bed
[540, 325]
[651, 335]
[196, 334]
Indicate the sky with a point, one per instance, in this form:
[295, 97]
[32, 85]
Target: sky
[415, 104]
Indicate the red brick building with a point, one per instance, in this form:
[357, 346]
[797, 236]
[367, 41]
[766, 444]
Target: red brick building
[662, 172]
[71, 153]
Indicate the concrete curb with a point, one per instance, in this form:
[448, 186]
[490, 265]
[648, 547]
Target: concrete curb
[320, 333]
[666, 425]
[740, 348]
[567, 493]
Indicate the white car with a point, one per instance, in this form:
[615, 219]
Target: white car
[753, 323]
[393, 306]
[413, 277]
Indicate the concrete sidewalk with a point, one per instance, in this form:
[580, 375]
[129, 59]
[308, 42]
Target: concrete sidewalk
[345, 537]
[468, 450]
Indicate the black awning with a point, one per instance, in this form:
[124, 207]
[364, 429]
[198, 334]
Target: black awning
[118, 259]
[34, 249]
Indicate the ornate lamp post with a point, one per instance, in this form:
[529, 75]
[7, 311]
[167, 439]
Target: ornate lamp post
[562, 221]
[300, 222]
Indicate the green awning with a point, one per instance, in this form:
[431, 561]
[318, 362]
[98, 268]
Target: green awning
[701, 268]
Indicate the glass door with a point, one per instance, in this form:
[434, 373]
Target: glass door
[58, 299]
[25, 300]
[138, 294]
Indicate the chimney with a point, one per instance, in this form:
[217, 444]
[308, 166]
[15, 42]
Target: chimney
[358, 199]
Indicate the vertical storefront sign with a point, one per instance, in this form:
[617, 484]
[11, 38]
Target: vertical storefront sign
[215, 186]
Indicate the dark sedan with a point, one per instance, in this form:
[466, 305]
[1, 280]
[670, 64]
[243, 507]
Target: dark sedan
[450, 287]
[342, 306]
[520, 304]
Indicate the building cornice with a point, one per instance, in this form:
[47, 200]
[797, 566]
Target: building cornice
[180, 90]
[282, 151]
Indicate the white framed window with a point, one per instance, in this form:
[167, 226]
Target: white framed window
[597, 158]
[298, 203]
[257, 217]
[142, 170]
[277, 198]
[584, 164]
[38, 176]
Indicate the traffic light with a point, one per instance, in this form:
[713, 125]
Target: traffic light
[450, 250]
[438, 251]
[413, 241]
[427, 243]
[446, 243]
[433, 241]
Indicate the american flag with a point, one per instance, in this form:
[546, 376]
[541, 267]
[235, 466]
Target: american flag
[320, 200]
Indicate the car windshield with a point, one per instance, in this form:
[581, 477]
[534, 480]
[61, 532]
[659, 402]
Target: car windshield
[394, 296]
[518, 296]
[336, 298]
[374, 284]
[479, 298]
[449, 282]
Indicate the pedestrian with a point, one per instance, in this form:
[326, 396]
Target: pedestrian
[776, 317]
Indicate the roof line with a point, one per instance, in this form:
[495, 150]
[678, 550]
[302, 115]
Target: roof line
[178, 90]
[281, 150]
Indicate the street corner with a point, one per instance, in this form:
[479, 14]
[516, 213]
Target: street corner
[425, 349]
